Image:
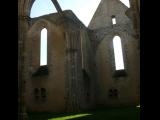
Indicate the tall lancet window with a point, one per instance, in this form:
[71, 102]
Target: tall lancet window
[118, 55]
[43, 47]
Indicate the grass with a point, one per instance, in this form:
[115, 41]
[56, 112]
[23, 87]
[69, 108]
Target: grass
[125, 113]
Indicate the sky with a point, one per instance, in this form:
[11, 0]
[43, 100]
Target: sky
[119, 63]
[84, 9]
[43, 47]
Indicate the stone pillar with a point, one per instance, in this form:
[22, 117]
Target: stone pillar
[135, 13]
[22, 27]
[74, 71]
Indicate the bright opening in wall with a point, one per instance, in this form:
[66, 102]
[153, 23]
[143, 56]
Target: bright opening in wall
[85, 13]
[43, 47]
[42, 7]
[126, 2]
[118, 55]
[113, 20]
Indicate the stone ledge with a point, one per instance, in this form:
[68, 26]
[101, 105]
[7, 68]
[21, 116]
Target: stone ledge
[120, 73]
[41, 71]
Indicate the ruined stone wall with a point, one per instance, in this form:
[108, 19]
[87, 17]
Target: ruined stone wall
[127, 86]
[88, 67]
[101, 34]
[80, 61]
[79, 82]
[23, 12]
[106, 9]
[64, 84]
[54, 81]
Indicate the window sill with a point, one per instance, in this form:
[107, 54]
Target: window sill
[41, 71]
[120, 73]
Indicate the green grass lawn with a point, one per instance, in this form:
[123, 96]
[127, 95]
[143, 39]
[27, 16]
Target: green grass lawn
[125, 113]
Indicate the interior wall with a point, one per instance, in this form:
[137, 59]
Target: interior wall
[54, 82]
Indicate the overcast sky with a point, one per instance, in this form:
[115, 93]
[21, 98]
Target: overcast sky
[84, 9]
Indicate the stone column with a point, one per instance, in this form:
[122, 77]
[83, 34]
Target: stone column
[135, 11]
[74, 72]
[22, 27]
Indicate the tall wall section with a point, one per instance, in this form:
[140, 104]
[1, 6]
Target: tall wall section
[113, 89]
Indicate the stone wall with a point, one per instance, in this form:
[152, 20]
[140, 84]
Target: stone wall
[63, 82]
[101, 34]
[105, 11]
[88, 67]
[80, 65]
[126, 85]
[54, 81]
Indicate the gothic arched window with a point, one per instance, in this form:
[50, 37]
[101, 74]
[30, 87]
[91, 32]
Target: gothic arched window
[118, 54]
[43, 47]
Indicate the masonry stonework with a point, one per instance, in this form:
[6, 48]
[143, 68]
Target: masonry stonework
[80, 70]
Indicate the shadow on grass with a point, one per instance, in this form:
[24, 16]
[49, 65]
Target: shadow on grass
[129, 113]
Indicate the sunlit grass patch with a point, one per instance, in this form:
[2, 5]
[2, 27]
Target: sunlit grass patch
[70, 117]
[138, 106]
[112, 113]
